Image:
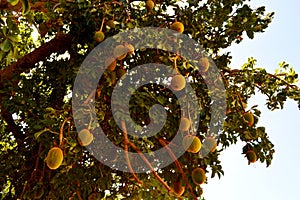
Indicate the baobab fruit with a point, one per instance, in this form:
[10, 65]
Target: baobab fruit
[120, 52]
[130, 47]
[178, 82]
[185, 124]
[204, 64]
[191, 143]
[210, 143]
[85, 137]
[178, 188]
[54, 158]
[248, 116]
[110, 63]
[110, 23]
[251, 156]
[149, 5]
[99, 36]
[198, 176]
[177, 26]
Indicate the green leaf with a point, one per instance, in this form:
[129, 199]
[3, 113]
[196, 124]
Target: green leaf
[13, 2]
[250, 34]
[25, 6]
[5, 46]
[1, 55]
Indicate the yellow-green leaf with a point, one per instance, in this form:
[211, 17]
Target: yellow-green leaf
[13, 2]
[13, 38]
[5, 46]
[37, 134]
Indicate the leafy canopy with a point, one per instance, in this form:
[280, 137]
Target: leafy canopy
[42, 46]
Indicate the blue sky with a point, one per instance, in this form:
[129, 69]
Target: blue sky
[281, 180]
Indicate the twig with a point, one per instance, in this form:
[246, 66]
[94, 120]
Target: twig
[175, 64]
[33, 174]
[78, 195]
[178, 165]
[62, 129]
[262, 91]
[91, 120]
[43, 172]
[89, 97]
[23, 191]
[276, 77]
[102, 24]
[232, 72]
[240, 101]
[38, 155]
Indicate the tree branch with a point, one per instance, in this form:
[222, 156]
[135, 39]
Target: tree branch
[275, 76]
[60, 43]
[61, 130]
[126, 141]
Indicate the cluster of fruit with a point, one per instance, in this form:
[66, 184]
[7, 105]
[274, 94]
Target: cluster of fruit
[193, 144]
[250, 154]
[198, 178]
[55, 155]
[178, 82]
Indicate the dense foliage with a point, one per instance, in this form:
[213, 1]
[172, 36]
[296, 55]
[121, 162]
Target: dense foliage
[42, 46]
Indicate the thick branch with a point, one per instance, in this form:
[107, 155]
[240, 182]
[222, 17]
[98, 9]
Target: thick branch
[60, 43]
